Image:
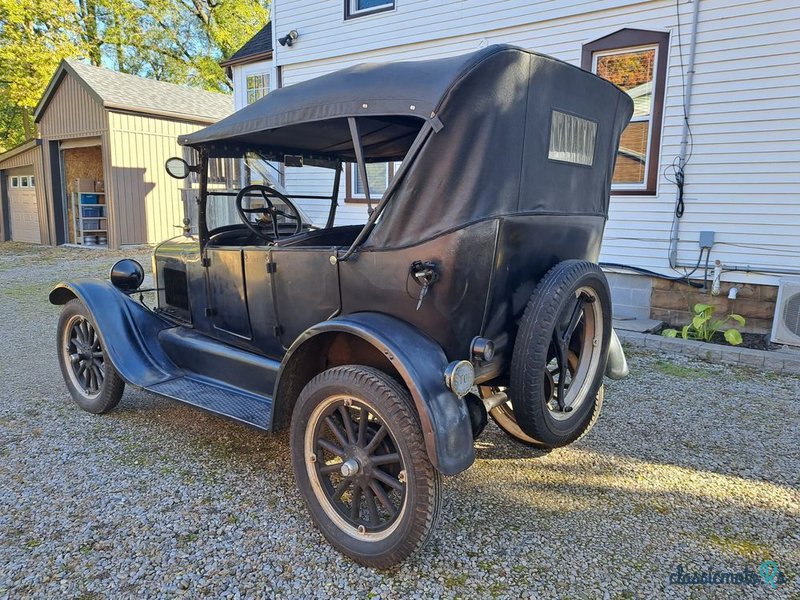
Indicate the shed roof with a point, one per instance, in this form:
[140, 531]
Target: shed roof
[20, 149]
[138, 94]
[258, 47]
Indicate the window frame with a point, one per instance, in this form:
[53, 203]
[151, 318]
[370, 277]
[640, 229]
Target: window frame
[23, 181]
[14, 181]
[265, 77]
[351, 12]
[350, 178]
[630, 40]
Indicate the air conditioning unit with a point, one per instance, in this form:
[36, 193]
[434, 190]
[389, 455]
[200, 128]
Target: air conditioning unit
[786, 323]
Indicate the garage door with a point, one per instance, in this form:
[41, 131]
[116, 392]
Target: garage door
[22, 209]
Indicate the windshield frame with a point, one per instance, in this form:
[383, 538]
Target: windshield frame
[426, 129]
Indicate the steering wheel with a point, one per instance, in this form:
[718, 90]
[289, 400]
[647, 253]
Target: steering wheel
[269, 213]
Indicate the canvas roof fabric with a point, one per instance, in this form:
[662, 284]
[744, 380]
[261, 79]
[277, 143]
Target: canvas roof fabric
[122, 91]
[398, 97]
[494, 113]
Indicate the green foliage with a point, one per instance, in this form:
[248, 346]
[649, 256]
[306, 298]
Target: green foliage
[171, 40]
[704, 326]
[682, 371]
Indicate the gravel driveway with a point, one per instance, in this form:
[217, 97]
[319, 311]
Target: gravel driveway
[691, 464]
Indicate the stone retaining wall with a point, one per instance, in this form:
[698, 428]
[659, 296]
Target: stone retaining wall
[769, 360]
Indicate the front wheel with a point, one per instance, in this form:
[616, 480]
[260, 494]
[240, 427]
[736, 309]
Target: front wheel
[91, 379]
[360, 463]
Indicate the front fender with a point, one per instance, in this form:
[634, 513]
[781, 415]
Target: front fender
[128, 330]
[420, 361]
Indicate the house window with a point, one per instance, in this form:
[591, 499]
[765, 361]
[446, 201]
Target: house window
[23, 181]
[359, 8]
[31, 182]
[378, 175]
[635, 61]
[257, 86]
[14, 182]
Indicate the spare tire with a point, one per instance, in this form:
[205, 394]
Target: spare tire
[560, 354]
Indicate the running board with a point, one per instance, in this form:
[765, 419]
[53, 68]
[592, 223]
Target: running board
[237, 404]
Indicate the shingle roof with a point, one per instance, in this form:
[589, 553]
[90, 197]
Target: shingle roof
[258, 45]
[139, 94]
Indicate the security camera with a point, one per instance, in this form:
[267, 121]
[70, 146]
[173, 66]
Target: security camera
[289, 38]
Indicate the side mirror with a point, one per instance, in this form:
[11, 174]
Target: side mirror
[127, 275]
[178, 168]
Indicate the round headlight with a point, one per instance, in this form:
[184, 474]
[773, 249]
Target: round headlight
[127, 275]
[459, 376]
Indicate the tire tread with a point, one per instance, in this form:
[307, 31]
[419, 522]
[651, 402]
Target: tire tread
[397, 402]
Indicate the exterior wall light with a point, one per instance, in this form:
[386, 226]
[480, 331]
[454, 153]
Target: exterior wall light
[289, 38]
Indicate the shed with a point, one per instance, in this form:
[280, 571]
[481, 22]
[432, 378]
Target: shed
[21, 176]
[105, 137]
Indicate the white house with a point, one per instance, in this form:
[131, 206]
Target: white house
[716, 84]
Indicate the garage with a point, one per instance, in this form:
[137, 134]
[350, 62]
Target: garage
[22, 198]
[23, 209]
[105, 137]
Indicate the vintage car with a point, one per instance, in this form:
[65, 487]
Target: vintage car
[472, 289]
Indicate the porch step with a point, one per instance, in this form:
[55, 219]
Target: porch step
[236, 404]
[638, 325]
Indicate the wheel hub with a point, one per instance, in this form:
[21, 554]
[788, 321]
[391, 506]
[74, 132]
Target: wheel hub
[350, 467]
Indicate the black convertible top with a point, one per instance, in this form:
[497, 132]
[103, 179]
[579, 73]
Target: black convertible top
[396, 97]
[515, 132]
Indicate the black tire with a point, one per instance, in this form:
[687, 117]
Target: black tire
[364, 536]
[89, 374]
[569, 284]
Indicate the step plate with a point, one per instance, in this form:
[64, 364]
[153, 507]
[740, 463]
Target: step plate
[239, 405]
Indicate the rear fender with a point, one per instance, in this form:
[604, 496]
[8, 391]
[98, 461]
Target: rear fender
[418, 360]
[617, 365]
[128, 330]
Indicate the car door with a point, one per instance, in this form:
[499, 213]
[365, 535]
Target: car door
[306, 288]
[227, 290]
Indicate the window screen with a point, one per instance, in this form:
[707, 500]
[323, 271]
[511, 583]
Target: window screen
[572, 139]
[378, 176]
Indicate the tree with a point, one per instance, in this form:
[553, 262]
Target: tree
[181, 41]
[34, 36]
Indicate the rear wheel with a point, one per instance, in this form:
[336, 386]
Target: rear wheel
[560, 355]
[91, 379]
[504, 417]
[360, 463]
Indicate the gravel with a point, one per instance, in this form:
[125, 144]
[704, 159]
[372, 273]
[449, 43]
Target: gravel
[691, 464]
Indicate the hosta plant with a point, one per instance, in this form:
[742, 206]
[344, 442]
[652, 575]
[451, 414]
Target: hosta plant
[704, 326]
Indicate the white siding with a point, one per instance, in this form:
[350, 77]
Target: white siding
[743, 180]
[324, 33]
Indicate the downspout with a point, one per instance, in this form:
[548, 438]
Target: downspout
[687, 104]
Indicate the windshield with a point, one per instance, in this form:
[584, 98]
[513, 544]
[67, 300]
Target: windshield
[226, 177]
